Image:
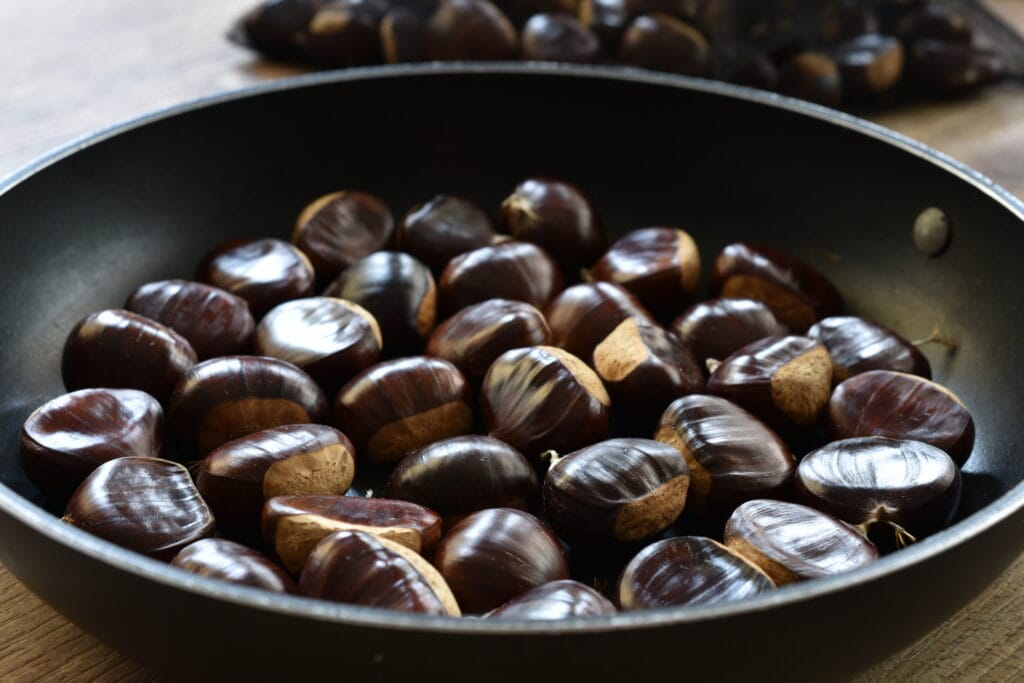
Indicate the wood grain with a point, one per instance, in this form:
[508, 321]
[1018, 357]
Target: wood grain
[71, 67]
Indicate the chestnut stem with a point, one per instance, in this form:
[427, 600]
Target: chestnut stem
[551, 456]
[902, 537]
[937, 337]
[712, 364]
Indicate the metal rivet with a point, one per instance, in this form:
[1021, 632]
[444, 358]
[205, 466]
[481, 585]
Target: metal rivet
[932, 231]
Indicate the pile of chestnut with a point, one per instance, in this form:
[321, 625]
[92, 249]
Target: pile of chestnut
[829, 51]
[526, 449]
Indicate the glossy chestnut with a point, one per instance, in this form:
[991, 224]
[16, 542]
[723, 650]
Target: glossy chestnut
[343, 33]
[399, 406]
[276, 27]
[493, 556]
[470, 30]
[950, 68]
[869, 64]
[717, 328]
[226, 398]
[222, 559]
[559, 38]
[901, 406]
[403, 36]
[338, 229]
[264, 272]
[566, 599]
[440, 229]
[857, 345]
[118, 349]
[607, 19]
[663, 43]
[519, 271]
[934, 21]
[811, 76]
[584, 315]
[147, 505]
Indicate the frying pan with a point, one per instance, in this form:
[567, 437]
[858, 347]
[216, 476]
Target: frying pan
[142, 201]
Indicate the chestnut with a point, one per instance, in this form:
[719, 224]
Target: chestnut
[292, 460]
[493, 556]
[869, 64]
[225, 398]
[215, 322]
[292, 525]
[792, 542]
[797, 294]
[785, 381]
[264, 272]
[847, 19]
[688, 570]
[901, 406]
[663, 43]
[661, 266]
[556, 216]
[331, 339]
[396, 407]
[811, 76]
[65, 439]
[509, 270]
[440, 229]
[933, 21]
[907, 489]
[717, 328]
[344, 33]
[565, 599]
[222, 559]
[470, 30]
[951, 68]
[857, 345]
[458, 476]
[559, 38]
[607, 19]
[122, 350]
[475, 336]
[403, 36]
[338, 229]
[582, 316]
[362, 569]
[541, 398]
[147, 505]
[276, 28]
[519, 12]
[398, 291]
[732, 456]
[747, 66]
[615, 491]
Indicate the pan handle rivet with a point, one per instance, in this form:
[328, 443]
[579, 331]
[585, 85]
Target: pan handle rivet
[932, 231]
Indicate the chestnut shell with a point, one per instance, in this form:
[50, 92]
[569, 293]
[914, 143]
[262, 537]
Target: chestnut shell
[443, 227]
[264, 272]
[717, 328]
[857, 345]
[583, 315]
[222, 559]
[338, 229]
[565, 599]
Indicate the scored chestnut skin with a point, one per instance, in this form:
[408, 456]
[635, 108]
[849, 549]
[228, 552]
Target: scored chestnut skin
[857, 345]
[147, 505]
[559, 38]
[732, 456]
[798, 294]
[566, 599]
[475, 30]
[792, 542]
[226, 398]
[443, 227]
[331, 339]
[540, 398]
[583, 315]
[474, 337]
[264, 272]
[615, 491]
[663, 43]
[717, 328]
[362, 569]
[901, 406]
[688, 570]
[338, 229]
[215, 322]
[68, 437]
[222, 559]
[118, 349]
[458, 476]
[495, 555]
[396, 407]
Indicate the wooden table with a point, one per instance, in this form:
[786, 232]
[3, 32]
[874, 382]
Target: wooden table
[70, 67]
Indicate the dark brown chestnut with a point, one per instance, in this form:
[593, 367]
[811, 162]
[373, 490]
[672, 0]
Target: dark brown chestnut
[615, 491]
[745, 65]
[340, 228]
[474, 337]
[493, 556]
[901, 406]
[276, 28]
[785, 381]
[215, 322]
[331, 339]
[226, 398]
[732, 456]
[403, 36]
[470, 30]
[811, 76]
[907, 489]
[661, 266]
[797, 294]
[292, 460]
[147, 505]
[793, 542]
[663, 43]
[519, 12]
[582, 316]
[440, 229]
[717, 328]
[607, 19]
[541, 398]
[343, 33]
[559, 38]
[65, 439]
[399, 406]
[292, 525]
[688, 570]
[122, 350]
[857, 345]
[458, 476]
[951, 68]
[519, 271]
[564, 599]
[556, 216]
[869, 64]
[362, 569]
[846, 19]
[264, 272]
[934, 21]
[222, 559]
[398, 291]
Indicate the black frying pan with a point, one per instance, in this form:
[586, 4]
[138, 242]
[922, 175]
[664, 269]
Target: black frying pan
[82, 228]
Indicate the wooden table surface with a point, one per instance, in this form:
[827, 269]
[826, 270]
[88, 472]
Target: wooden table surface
[70, 67]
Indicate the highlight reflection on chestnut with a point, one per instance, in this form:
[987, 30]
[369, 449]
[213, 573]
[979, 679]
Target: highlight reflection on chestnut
[264, 272]
[564, 599]
[338, 229]
[856, 345]
[222, 559]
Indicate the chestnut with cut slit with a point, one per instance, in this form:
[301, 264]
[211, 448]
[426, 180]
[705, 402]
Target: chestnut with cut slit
[583, 315]
[717, 328]
[264, 272]
[443, 227]
[222, 559]
[565, 599]
[856, 345]
[661, 42]
[470, 30]
[519, 271]
[338, 229]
